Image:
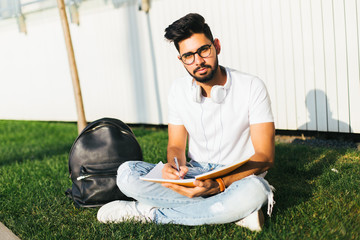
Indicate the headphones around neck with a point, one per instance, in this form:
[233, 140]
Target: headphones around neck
[218, 92]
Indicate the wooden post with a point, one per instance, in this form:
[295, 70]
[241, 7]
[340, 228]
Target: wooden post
[74, 73]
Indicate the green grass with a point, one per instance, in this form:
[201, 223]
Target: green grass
[312, 200]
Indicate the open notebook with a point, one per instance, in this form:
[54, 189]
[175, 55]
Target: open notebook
[155, 174]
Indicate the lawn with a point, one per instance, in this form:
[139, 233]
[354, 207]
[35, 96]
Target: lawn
[317, 190]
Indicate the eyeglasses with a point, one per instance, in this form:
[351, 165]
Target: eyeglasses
[189, 57]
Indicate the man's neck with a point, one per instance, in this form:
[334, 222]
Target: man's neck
[218, 79]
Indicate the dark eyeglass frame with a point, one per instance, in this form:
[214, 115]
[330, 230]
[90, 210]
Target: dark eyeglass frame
[198, 51]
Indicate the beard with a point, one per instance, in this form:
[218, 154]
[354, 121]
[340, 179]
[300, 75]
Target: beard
[209, 76]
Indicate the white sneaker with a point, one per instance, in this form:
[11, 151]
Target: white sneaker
[254, 221]
[120, 211]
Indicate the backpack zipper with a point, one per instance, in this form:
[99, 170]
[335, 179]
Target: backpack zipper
[94, 175]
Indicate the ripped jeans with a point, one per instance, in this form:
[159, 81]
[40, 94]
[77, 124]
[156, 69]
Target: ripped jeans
[239, 200]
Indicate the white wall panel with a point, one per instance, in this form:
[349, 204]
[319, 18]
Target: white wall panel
[259, 39]
[309, 70]
[249, 35]
[289, 81]
[319, 65]
[341, 65]
[279, 63]
[352, 41]
[306, 51]
[298, 61]
[243, 43]
[270, 59]
[355, 87]
[330, 66]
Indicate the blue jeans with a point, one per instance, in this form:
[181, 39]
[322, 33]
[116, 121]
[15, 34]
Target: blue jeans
[239, 200]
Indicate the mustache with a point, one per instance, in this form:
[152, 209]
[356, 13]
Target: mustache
[201, 66]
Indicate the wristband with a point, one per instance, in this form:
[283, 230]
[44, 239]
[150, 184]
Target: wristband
[221, 183]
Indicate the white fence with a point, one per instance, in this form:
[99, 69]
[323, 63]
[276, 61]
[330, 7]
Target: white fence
[306, 51]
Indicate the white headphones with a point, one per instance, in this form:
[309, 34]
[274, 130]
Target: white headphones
[218, 92]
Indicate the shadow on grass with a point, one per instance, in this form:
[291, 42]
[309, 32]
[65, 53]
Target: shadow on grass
[295, 169]
[29, 140]
[34, 153]
[26, 140]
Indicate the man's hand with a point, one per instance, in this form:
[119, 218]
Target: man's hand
[170, 172]
[203, 188]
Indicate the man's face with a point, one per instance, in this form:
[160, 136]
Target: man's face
[202, 69]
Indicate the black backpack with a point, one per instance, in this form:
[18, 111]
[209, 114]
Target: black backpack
[94, 158]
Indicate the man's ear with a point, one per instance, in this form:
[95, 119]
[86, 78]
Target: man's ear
[217, 46]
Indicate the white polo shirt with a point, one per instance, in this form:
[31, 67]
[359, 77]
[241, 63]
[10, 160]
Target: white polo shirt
[220, 132]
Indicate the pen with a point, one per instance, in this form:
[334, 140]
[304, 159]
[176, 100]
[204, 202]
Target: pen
[177, 166]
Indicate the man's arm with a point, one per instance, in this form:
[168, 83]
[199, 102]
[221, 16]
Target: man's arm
[177, 135]
[262, 137]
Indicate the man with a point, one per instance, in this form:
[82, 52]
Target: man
[225, 117]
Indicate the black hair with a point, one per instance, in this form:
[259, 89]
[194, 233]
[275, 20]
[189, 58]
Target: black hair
[185, 27]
